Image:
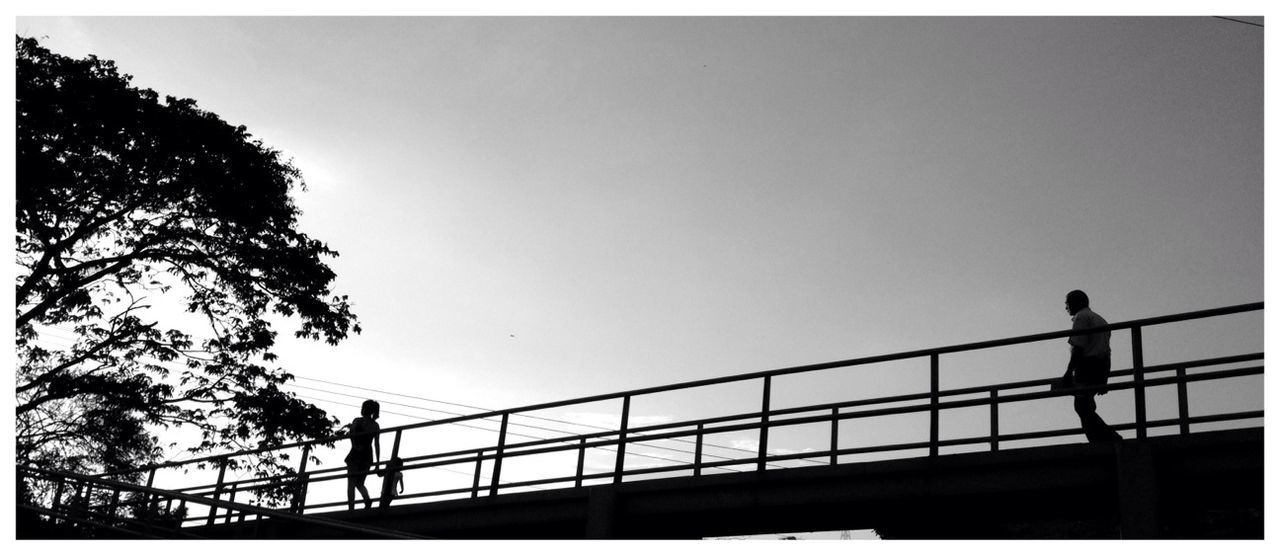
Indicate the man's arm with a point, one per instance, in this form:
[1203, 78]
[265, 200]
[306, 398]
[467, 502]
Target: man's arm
[1077, 357]
[1077, 343]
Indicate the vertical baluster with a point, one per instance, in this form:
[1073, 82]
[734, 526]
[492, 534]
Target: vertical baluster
[933, 404]
[995, 419]
[147, 497]
[80, 502]
[697, 453]
[168, 510]
[114, 505]
[88, 500]
[217, 491]
[835, 435]
[582, 460]
[497, 456]
[475, 485]
[395, 453]
[1139, 390]
[57, 498]
[231, 497]
[764, 423]
[1184, 412]
[301, 483]
[622, 440]
[182, 515]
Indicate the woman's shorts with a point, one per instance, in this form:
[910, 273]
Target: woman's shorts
[358, 464]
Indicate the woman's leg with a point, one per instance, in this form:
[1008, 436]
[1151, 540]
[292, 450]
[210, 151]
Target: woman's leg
[364, 492]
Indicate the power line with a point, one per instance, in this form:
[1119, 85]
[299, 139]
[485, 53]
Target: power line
[50, 340]
[477, 408]
[1238, 21]
[416, 417]
[532, 437]
[528, 417]
[455, 471]
[549, 419]
[490, 419]
[399, 394]
[651, 456]
[513, 433]
[422, 418]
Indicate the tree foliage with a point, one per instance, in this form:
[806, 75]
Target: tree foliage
[157, 240]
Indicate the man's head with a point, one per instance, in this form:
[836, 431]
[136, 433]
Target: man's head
[1076, 300]
[370, 409]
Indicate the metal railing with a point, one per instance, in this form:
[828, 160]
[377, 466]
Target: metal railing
[70, 499]
[1137, 379]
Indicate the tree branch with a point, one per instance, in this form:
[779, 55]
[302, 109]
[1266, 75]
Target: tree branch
[57, 246]
[47, 375]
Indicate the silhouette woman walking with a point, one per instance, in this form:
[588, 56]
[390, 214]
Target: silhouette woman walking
[365, 450]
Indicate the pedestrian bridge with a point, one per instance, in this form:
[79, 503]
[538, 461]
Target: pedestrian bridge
[1191, 464]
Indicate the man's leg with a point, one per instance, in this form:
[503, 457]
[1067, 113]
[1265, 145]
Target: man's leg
[1086, 409]
[1095, 429]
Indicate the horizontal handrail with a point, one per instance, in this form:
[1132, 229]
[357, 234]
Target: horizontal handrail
[973, 346]
[750, 420]
[918, 408]
[930, 402]
[65, 516]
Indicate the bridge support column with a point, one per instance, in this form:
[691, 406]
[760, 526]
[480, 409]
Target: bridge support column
[1138, 492]
[602, 505]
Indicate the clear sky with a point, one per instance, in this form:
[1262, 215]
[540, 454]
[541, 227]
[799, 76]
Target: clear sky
[534, 209]
[530, 209]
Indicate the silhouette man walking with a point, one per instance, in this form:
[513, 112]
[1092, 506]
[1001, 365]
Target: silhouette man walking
[1090, 365]
[365, 450]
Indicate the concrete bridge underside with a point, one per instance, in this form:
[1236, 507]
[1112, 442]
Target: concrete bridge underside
[1207, 484]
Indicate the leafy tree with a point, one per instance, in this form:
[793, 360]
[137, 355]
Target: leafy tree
[162, 240]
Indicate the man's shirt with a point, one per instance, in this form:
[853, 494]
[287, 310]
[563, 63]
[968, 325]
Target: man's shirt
[1096, 344]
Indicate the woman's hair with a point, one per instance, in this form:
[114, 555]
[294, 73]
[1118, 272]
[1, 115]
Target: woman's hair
[370, 408]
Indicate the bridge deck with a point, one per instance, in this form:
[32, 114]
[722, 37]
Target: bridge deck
[1171, 486]
[1206, 484]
